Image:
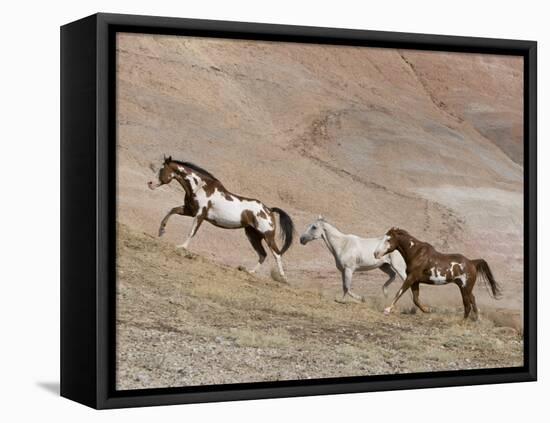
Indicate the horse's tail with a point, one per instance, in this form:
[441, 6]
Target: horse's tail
[287, 228]
[485, 271]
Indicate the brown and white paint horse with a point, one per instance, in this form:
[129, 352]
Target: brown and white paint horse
[207, 199]
[426, 265]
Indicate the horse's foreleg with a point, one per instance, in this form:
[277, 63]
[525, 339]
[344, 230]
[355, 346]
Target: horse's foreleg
[175, 210]
[347, 275]
[197, 221]
[406, 285]
[415, 288]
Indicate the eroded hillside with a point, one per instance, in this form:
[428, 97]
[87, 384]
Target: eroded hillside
[370, 138]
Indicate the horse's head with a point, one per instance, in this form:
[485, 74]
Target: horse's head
[165, 174]
[313, 231]
[387, 244]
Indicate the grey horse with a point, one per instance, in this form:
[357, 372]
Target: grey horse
[353, 253]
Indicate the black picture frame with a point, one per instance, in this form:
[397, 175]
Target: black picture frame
[88, 210]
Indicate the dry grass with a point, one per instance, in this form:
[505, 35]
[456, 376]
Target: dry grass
[318, 137]
[184, 320]
[248, 338]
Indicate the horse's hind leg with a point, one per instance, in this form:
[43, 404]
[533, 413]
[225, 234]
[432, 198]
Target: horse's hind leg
[388, 270]
[270, 241]
[255, 239]
[466, 300]
[176, 210]
[415, 288]
[474, 306]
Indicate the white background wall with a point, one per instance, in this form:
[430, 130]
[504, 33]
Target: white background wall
[29, 167]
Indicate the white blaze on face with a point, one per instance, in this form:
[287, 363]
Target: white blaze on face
[412, 243]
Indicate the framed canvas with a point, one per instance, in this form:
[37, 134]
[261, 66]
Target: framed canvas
[258, 211]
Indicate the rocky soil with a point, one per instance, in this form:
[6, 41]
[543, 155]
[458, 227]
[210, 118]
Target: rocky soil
[185, 320]
[370, 138]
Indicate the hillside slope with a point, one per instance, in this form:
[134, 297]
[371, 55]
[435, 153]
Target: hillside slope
[185, 320]
[370, 138]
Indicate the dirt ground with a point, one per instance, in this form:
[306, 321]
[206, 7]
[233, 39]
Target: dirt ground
[184, 320]
[369, 138]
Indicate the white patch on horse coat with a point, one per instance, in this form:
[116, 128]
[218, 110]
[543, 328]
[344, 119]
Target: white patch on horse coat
[412, 243]
[259, 218]
[440, 279]
[463, 277]
[194, 180]
[437, 277]
[228, 213]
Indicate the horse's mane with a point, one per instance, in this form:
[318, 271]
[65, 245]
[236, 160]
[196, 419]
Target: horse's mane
[403, 232]
[399, 231]
[196, 168]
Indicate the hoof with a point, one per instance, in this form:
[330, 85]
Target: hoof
[161, 231]
[363, 299]
[387, 311]
[181, 247]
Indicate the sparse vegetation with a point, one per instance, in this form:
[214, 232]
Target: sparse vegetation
[184, 320]
[370, 138]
